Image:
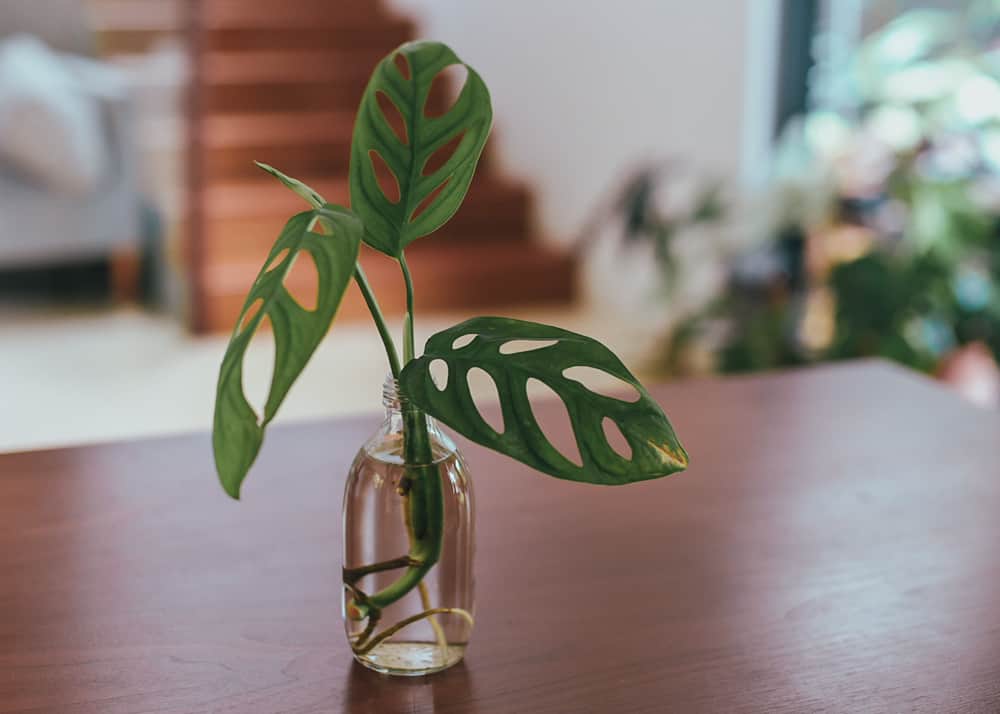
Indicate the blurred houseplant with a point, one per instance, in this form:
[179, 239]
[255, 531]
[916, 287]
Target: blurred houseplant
[882, 217]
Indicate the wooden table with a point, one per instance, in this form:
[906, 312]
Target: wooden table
[835, 546]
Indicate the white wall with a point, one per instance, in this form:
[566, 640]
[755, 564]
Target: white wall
[585, 89]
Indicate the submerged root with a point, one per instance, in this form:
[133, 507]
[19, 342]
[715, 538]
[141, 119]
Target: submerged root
[361, 647]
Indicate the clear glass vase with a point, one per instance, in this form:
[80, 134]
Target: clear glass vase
[400, 514]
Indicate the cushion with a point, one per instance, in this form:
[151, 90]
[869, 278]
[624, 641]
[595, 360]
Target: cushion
[50, 129]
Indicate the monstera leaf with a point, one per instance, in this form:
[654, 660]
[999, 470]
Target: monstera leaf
[237, 430]
[655, 449]
[427, 199]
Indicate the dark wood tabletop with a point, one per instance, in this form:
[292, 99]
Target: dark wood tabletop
[835, 546]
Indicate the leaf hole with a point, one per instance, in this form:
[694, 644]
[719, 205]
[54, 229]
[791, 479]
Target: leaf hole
[318, 225]
[276, 260]
[445, 89]
[441, 156]
[554, 420]
[402, 65]
[393, 117]
[387, 180]
[517, 346]
[616, 439]
[438, 369]
[603, 383]
[250, 313]
[302, 281]
[463, 341]
[486, 397]
[428, 201]
[257, 369]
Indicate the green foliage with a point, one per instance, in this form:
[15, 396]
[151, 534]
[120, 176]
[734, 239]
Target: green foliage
[763, 342]
[876, 300]
[238, 430]
[391, 226]
[655, 449]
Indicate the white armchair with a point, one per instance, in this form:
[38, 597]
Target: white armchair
[41, 223]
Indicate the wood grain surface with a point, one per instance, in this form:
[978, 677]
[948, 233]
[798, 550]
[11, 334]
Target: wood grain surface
[834, 547]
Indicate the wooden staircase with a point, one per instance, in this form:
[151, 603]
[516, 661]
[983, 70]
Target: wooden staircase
[279, 81]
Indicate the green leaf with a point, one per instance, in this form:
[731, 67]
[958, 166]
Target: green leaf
[389, 227]
[655, 449]
[237, 429]
[302, 190]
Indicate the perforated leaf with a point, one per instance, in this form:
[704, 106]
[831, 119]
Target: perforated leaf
[237, 429]
[434, 198]
[656, 450]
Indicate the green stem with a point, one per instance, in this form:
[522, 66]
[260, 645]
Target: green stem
[373, 308]
[408, 322]
[422, 485]
[366, 291]
[425, 499]
[353, 575]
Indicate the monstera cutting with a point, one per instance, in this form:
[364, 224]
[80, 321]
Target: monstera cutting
[408, 500]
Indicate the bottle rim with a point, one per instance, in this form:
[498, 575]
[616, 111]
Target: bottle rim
[392, 398]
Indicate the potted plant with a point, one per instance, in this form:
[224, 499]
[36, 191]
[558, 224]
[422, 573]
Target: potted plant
[408, 527]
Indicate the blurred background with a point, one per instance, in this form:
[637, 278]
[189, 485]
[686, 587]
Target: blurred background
[710, 187]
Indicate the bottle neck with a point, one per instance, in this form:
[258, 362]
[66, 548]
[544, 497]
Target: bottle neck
[396, 404]
[392, 399]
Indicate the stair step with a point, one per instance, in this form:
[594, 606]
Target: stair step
[286, 95]
[242, 225]
[290, 65]
[250, 240]
[490, 275]
[278, 14]
[129, 27]
[283, 81]
[299, 142]
[383, 36]
[157, 15]
[328, 157]
[279, 81]
[264, 197]
[227, 131]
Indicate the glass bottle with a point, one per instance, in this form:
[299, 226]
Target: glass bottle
[379, 513]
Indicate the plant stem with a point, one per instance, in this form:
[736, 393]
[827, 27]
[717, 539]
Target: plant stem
[424, 494]
[425, 499]
[408, 322]
[425, 596]
[373, 308]
[366, 291]
[424, 507]
[353, 575]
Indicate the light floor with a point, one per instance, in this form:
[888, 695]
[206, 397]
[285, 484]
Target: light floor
[71, 378]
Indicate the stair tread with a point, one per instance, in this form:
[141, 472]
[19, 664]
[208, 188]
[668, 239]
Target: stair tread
[279, 81]
[288, 65]
[264, 197]
[288, 13]
[496, 256]
[257, 128]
